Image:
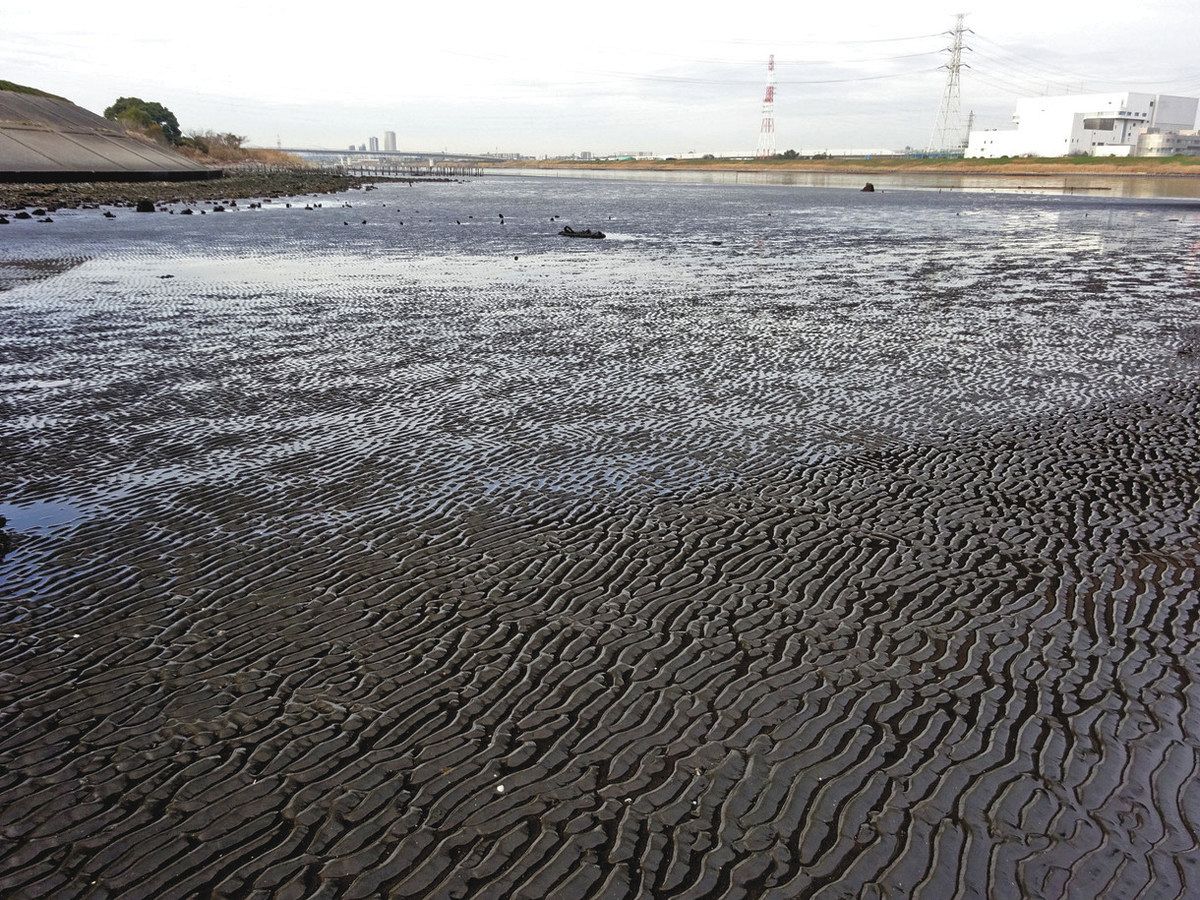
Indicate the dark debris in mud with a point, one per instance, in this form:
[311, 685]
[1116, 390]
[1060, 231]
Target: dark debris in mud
[83, 195]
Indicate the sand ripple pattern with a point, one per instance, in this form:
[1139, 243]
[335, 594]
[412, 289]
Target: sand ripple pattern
[446, 575]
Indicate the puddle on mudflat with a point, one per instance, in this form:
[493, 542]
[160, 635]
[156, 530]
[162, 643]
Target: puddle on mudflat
[40, 515]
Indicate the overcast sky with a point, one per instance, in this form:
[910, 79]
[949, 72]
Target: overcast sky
[565, 76]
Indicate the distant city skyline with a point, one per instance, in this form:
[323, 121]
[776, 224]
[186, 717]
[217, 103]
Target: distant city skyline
[561, 79]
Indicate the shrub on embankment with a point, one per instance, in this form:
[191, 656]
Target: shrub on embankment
[151, 120]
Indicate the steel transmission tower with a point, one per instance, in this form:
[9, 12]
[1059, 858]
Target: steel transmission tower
[766, 131]
[947, 131]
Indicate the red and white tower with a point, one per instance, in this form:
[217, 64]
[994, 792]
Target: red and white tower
[766, 131]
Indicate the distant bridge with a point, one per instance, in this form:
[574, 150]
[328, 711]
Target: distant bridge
[322, 154]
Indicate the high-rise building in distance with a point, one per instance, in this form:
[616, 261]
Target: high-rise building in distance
[374, 142]
[389, 141]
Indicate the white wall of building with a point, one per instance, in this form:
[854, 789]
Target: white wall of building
[1175, 113]
[1097, 124]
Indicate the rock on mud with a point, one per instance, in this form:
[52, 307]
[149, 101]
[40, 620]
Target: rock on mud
[7, 539]
[568, 231]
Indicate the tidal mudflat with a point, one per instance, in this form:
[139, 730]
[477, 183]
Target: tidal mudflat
[786, 543]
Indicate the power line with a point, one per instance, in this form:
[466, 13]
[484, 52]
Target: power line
[866, 77]
[794, 62]
[683, 79]
[893, 40]
[687, 79]
[1001, 83]
[1058, 73]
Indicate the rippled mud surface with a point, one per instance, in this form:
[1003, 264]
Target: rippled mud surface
[856, 555]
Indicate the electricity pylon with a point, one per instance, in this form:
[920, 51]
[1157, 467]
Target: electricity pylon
[947, 131]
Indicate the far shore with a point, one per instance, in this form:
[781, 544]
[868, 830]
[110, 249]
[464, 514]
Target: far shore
[1175, 166]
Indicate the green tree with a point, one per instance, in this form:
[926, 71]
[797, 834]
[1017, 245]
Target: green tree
[150, 116]
[791, 154]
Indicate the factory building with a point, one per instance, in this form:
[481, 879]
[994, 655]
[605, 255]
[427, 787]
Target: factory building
[1156, 142]
[1092, 124]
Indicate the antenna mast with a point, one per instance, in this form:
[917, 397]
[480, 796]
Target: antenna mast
[766, 131]
[947, 131]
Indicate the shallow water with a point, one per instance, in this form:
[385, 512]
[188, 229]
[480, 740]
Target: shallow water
[823, 321]
[788, 542]
[40, 515]
[1146, 187]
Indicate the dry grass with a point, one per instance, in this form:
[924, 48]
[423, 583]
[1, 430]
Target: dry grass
[212, 148]
[232, 156]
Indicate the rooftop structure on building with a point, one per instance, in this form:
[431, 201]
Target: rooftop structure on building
[1093, 124]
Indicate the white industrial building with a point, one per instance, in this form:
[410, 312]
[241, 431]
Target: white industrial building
[1093, 124]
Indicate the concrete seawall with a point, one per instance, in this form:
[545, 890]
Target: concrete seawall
[49, 139]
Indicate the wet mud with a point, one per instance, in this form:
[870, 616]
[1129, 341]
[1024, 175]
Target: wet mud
[856, 557]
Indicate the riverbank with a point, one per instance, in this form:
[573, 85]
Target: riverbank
[72, 195]
[1024, 168]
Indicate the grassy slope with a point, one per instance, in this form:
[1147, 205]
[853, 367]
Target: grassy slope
[223, 157]
[24, 89]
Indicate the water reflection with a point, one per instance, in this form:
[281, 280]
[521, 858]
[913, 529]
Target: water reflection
[40, 515]
[1161, 187]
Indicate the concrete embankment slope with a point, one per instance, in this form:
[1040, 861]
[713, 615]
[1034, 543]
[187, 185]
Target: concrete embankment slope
[50, 139]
